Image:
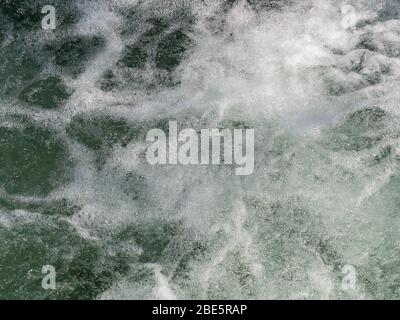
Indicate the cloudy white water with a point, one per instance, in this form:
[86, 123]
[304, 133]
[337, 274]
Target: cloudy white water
[317, 80]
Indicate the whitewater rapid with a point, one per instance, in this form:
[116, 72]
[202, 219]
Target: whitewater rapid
[318, 80]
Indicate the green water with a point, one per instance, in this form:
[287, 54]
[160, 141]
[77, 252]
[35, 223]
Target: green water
[76, 191]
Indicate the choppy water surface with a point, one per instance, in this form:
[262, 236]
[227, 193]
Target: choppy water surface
[76, 192]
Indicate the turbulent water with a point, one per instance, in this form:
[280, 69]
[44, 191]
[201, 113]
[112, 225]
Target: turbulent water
[317, 80]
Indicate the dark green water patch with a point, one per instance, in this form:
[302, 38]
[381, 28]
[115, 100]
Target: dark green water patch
[171, 50]
[90, 273]
[16, 71]
[194, 252]
[134, 185]
[32, 160]
[367, 42]
[73, 53]
[383, 154]
[360, 130]
[83, 269]
[23, 13]
[133, 57]
[268, 4]
[109, 81]
[101, 131]
[152, 237]
[48, 93]
[62, 207]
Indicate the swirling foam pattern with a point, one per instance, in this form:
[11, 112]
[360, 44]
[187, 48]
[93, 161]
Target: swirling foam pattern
[320, 88]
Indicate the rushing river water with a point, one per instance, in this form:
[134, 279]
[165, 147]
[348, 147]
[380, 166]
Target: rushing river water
[317, 80]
